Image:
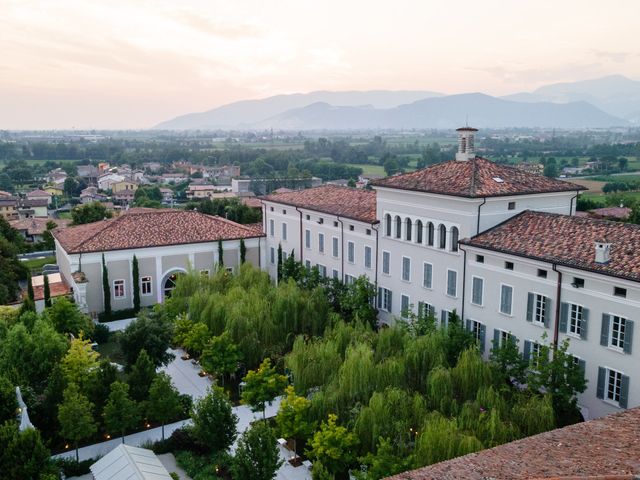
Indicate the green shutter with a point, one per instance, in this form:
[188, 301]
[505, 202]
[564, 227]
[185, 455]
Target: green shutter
[584, 324]
[527, 351]
[624, 392]
[564, 317]
[496, 338]
[468, 323]
[390, 301]
[379, 297]
[483, 335]
[530, 301]
[582, 365]
[443, 318]
[547, 311]
[604, 330]
[602, 375]
[628, 336]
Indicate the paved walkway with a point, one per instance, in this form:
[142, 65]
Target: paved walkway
[184, 375]
[118, 325]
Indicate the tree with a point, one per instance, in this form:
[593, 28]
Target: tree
[141, 376]
[75, 417]
[334, 446]
[136, 284]
[89, 213]
[80, 362]
[164, 400]
[23, 454]
[30, 293]
[262, 386]
[279, 271]
[8, 402]
[70, 186]
[220, 356]
[120, 412]
[508, 362]
[5, 183]
[293, 417]
[48, 242]
[214, 421]
[220, 254]
[257, 456]
[243, 251]
[391, 166]
[67, 318]
[106, 289]
[153, 334]
[47, 292]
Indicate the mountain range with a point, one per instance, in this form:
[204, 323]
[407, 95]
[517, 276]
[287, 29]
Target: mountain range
[612, 101]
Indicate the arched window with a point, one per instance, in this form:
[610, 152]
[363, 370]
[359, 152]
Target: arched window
[442, 231]
[419, 232]
[454, 239]
[398, 227]
[407, 235]
[387, 219]
[430, 234]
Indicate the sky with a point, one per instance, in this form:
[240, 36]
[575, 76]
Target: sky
[134, 63]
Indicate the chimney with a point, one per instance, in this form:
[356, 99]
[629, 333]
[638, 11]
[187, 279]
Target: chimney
[602, 251]
[466, 144]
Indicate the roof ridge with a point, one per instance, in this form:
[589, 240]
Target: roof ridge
[108, 222]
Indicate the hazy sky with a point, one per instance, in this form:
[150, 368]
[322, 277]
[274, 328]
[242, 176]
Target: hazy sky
[134, 63]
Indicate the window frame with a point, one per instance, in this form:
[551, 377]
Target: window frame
[620, 342]
[455, 295]
[577, 333]
[146, 280]
[272, 227]
[539, 311]
[351, 252]
[120, 284]
[386, 254]
[284, 230]
[307, 239]
[402, 276]
[335, 247]
[320, 242]
[481, 279]
[617, 388]
[368, 252]
[510, 314]
[430, 285]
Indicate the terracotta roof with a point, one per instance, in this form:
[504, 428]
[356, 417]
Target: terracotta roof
[34, 202]
[353, 203]
[474, 178]
[38, 193]
[607, 448]
[567, 241]
[37, 225]
[142, 229]
[57, 286]
[621, 213]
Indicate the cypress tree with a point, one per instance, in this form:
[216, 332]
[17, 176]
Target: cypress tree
[243, 251]
[279, 262]
[220, 253]
[136, 284]
[47, 292]
[30, 292]
[106, 291]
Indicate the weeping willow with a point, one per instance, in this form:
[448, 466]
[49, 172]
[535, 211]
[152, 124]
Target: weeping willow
[313, 363]
[390, 342]
[533, 414]
[470, 374]
[422, 354]
[440, 389]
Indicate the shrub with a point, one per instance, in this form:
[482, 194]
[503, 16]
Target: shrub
[118, 315]
[71, 468]
[100, 333]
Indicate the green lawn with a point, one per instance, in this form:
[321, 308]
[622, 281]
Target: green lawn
[36, 264]
[368, 169]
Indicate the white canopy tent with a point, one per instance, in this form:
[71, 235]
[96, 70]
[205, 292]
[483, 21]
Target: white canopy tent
[129, 463]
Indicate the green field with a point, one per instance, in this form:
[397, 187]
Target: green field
[36, 264]
[368, 169]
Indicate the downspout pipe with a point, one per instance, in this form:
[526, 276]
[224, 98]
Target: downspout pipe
[571, 204]
[301, 249]
[341, 248]
[556, 326]
[484, 200]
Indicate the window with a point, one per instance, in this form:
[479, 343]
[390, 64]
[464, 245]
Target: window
[398, 227]
[335, 224]
[442, 232]
[617, 332]
[387, 224]
[577, 282]
[542, 273]
[419, 231]
[272, 228]
[351, 228]
[229, 269]
[334, 273]
[406, 269]
[334, 246]
[284, 231]
[480, 258]
[386, 261]
[532, 352]
[323, 270]
[537, 309]
[427, 275]
[321, 242]
[271, 208]
[307, 238]
[477, 290]
[454, 239]
[349, 279]
[426, 310]
[321, 221]
[351, 252]
[284, 256]
[384, 299]
[308, 217]
[272, 255]
[501, 337]
[404, 306]
[430, 234]
[284, 212]
[307, 263]
[511, 206]
[479, 332]
[145, 286]
[613, 386]
[620, 292]
[367, 257]
[368, 231]
[452, 280]
[407, 235]
[508, 265]
[118, 288]
[506, 299]
[576, 319]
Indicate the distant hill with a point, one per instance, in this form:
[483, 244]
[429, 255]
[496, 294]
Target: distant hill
[599, 103]
[614, 94]
[444, 112]
[248, 112]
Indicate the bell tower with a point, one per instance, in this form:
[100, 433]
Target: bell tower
[466, 144]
